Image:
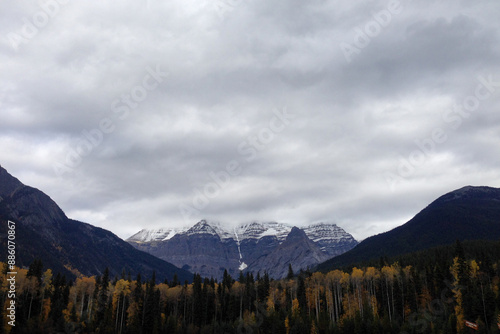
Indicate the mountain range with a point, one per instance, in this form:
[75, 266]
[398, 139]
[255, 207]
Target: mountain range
[468, 213]
[43, 231]
[209, 248]
[67, 246]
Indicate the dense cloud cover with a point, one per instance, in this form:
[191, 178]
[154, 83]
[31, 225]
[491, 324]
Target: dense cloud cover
[142, 114]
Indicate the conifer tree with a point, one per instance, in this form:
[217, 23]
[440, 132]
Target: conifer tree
[290, 274]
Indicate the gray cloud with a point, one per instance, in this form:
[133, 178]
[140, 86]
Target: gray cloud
[224, 77]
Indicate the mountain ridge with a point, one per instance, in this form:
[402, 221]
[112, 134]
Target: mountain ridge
[43, 231]
[467, 213]
[243, 230]
[243, 247]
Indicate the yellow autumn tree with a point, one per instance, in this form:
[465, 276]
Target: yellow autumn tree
[82, 289]
[120, 293]
[295, 308]
[372, 275]
[274, 295]
[287, 325]
[32, 287]
[408, 277]
[474, 268]
[317, 281]
[347, 299]
[46, 287]
[314, 328]
[173, 297]
[388, 274]
[459, 311]
[357, 281]
[334, 293]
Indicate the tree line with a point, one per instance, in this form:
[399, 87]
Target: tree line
[435, 294]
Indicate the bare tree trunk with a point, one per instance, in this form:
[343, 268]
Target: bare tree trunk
[123, 311]
[41, 304]
[317, 305]
[241, 307]
[31, 302]
[117, 314]
[89, 308]
[484, 305]
[403, 299]
[388, 300]
[392, 295]
[81, 307]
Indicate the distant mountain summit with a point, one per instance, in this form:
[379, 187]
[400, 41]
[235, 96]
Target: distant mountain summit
[468, 213]
[64, 245]
[210, 247]
[468, 193]
[8, 183]
[254, 230]
[297, 249]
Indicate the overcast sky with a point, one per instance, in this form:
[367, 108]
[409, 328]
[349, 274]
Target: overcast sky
[145, 114]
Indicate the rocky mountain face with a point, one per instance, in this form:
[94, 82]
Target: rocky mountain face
[297, 249]
[43, 231]
[468, 213]
[210, 248]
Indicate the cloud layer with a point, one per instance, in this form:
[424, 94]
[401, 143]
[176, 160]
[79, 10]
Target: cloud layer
[145, 114]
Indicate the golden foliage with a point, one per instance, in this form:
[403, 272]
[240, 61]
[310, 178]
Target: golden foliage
[295, 308]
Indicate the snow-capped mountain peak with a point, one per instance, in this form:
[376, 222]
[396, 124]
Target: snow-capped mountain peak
[202, 227]
[322, 233]
[160, 234]
[211, 247]
[257, 230]
[327, 235]
[147, 235]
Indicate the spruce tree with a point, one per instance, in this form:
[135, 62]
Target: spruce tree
[290, 272]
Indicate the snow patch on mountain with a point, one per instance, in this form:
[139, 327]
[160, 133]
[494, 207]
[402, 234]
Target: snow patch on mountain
[243, 247]
[148, 235]
[202, 227]
[170, 235]
[258, 230]
[325, 231]
[322, 233]
[159, 234]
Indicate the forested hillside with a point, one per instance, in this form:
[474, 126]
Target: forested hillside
[468, 213]
[435, 294]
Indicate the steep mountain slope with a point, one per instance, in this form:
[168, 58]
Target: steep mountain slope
[161, 234]
[297, 249]
[330, 238]
[43, 231]
[199, 250]
[469, 213]
[210, 248]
